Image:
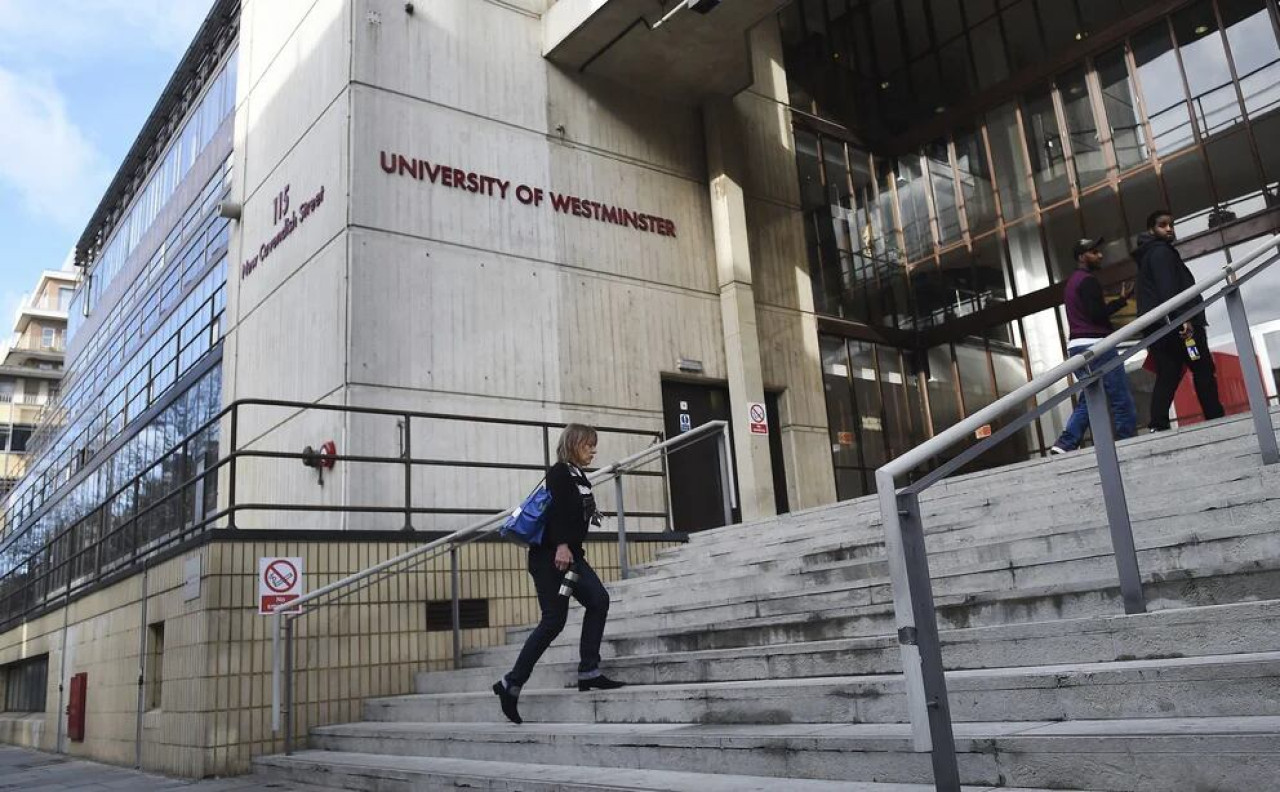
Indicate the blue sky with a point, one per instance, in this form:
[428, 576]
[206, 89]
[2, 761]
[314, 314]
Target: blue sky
[77, 80]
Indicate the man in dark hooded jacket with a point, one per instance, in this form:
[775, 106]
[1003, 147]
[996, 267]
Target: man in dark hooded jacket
[1161, 275]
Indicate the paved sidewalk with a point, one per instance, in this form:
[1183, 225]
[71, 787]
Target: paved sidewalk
[33, 771]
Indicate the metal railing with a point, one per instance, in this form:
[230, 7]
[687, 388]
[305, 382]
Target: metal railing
[175, 497]
[914, 612]
[286, 614]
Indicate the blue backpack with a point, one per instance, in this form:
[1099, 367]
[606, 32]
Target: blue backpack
[527, 521]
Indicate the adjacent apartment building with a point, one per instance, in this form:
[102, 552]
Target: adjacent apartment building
[422, 236]
[31, 369]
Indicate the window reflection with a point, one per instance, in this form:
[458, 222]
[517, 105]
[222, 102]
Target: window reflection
[944, 191]
[975, 181]
[1044, 144]
[1127, 135]
[1086, 144]
[1162, 91]
[1252, 39]
[1213, 95]
[1010, 163]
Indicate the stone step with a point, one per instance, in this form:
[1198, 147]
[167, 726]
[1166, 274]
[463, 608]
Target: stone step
[1251, 627]
[1143, 755]
[1024, 565]
[979, 525]
[1075, 598]
[382, 773]
[1215, 686]
[1197, 442]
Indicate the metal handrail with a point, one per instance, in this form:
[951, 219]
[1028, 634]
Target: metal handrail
[914, 612]
[282, 622]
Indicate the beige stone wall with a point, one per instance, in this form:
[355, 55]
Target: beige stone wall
[215, 697]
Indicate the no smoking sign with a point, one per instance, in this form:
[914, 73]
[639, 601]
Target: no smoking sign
[758, 418]
[279, 581]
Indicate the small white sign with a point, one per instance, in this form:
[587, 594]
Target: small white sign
[686, 423]
[279, 581]
[758, 418]
[684, 405]
[191, 578]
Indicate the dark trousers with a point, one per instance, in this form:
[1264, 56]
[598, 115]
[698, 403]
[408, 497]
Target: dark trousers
[588, 591]
[1171, 359]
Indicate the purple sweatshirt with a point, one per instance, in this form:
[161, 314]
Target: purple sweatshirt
[1088, 315]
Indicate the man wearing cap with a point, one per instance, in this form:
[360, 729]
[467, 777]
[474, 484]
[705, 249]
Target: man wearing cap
[1089, 319]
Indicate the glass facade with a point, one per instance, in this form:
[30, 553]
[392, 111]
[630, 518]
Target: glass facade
[982, 139]
[145, 378]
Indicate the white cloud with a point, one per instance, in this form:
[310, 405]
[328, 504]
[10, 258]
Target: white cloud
[86, 29]
[44, 157]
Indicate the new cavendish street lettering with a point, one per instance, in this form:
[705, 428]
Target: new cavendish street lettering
[501, 189]
[286, 222]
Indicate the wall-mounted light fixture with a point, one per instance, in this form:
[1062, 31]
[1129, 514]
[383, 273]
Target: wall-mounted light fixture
[689, 365]
[229, 210]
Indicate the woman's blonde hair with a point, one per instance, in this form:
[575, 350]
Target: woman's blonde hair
[572, 439]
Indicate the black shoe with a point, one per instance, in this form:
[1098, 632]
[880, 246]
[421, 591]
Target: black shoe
[509, 702]
[599, 683]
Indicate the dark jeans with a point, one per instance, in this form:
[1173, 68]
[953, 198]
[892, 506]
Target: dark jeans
[1115, 383]
[588, 591]
[1171, 359]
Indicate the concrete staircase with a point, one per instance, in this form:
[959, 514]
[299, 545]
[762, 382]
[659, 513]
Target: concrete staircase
[763, 656]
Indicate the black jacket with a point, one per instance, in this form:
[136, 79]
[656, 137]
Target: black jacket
[573, 508]
[1161, 275]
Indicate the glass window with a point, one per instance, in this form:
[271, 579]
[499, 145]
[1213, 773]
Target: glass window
[1162, 91]
[975, 182]
[1127, 135]
[944, 191]
[1213, 94]
[48, 337]
[914, 207]
[989, 272]
[1086, 144]
[1252, 39]
[1102, 217]
[1026, 257]
[1237, 179]
[866, 387]
[1010, 163]
[841, 418]
[1190, 198]
[1140, 195]
[1062, 230]
[944, 407]
[1011, 374]
[1044, 144]
[904, 428]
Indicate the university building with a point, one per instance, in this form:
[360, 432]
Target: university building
[420, 237]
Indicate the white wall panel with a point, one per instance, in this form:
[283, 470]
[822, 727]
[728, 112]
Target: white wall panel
[446, 318]
[477, 56]
[299, 64]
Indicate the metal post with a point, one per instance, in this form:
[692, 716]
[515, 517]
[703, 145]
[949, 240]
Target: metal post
[1258, 404]
[231, 480]
[408, 475]
[918, 639]
[456, 607]
[288, 686]
[725, 475]
[622, 530]
[275, 673]
[1104, 446]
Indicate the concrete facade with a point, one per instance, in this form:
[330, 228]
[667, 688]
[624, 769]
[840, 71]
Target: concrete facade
[402, 290]
[207, 711]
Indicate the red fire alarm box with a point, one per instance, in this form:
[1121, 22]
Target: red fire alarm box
[75, 708]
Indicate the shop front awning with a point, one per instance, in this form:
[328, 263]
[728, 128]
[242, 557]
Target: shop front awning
[691, 57]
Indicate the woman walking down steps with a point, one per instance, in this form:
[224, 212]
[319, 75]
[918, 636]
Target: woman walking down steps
[571, 513]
